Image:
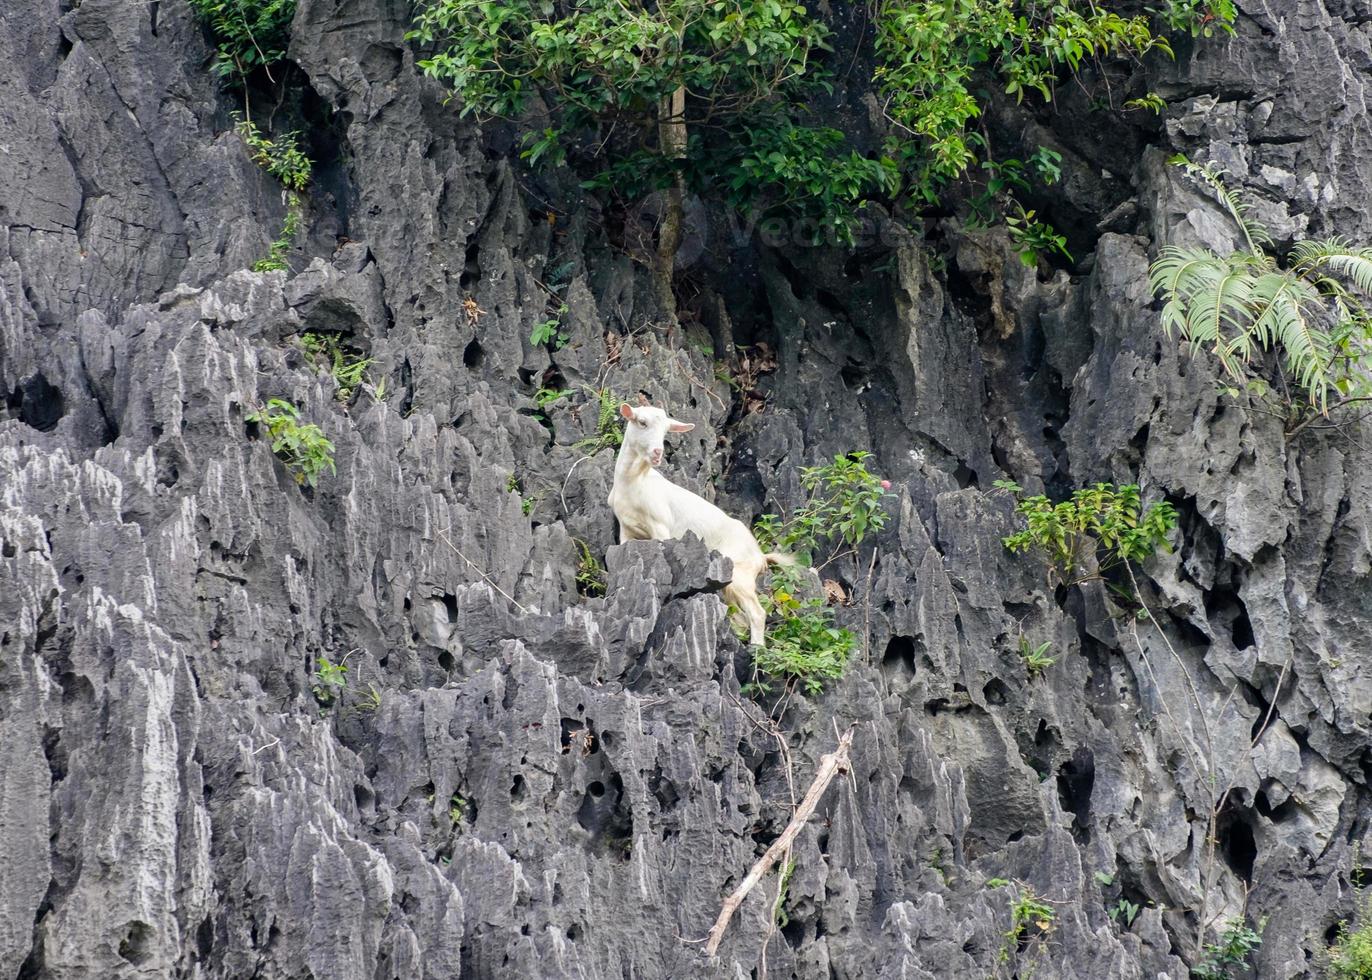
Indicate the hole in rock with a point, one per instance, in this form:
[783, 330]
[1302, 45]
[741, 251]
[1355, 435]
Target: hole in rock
[135, 947]
[37, 403]
[899, 656]
[1237, 845]
[1076, 779]
[473, 354]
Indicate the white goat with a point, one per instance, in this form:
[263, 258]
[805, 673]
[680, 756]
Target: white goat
[651, 507]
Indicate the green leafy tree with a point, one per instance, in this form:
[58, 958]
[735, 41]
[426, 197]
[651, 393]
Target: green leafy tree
[844, 506]
[248, 34]
[932, 53]
[653, 72]
[1310, 312]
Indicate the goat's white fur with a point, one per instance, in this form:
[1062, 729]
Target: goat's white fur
[651, 507]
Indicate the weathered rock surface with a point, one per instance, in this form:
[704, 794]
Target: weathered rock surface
[523, 782]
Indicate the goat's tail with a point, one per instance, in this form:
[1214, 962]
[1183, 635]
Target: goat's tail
[779, 558]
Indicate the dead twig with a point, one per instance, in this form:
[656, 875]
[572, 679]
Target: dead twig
[477, 568]
[829, 766]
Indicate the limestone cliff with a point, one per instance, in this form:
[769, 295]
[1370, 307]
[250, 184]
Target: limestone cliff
[524, 782]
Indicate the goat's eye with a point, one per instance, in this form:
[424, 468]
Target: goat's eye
[641, 423]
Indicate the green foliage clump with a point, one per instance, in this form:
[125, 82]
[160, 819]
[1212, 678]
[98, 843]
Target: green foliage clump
[1028, 910]
[1350, 958]
[549, 331]
[1036, 659]
[1125, 911]
[1228, 958]
[283, 159]
[930, 51]
[780, 917]
[843, 507]
[326, 350]
[804, 646]
[609, 433]
[1201, 18]
[590, 573]
[303, 448]
[248, 34]
[1103, 522]
[778, 164]
[330, 681]
[602, 59]
[660, 95]
[1311, 312]
[719, 96]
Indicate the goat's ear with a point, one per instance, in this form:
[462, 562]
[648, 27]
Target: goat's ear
[674, 426]
[626, 410]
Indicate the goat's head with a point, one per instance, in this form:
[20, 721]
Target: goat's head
[645, 428]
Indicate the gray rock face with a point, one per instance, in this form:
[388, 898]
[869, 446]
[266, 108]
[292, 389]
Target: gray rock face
[520, 781]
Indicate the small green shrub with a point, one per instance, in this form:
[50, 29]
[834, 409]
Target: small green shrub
[303, 448]
[1028, 910]
[330, 681]
[326, 350]
[609, 432]
[1313, 313]
[546, 397]
[457, 809]
[804, 646]
[1124, 911]
[591, 578]
[1103, 522]
[248, 34]
[283, 159]
[780, 918]
[1350, 958]
[1036, 659]
[1152, 101]
[549, 331]
[843, 508]
[1033, 238]
[1228, 958]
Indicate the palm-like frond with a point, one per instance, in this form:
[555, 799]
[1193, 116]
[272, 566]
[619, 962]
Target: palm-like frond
[1254, 233]
[1284, 308]
[1314, 314]
[1339, 257]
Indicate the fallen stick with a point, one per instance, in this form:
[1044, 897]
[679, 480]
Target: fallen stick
[829, 766]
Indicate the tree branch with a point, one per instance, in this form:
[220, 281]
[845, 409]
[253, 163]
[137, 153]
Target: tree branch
[829, 766]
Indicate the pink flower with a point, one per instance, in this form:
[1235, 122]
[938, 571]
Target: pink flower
[886, 484]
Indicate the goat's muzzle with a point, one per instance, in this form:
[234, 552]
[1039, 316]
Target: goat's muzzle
[655, 457]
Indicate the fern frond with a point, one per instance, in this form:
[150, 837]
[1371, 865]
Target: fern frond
[1254, 233]
[1280, 320]
[1338, 256]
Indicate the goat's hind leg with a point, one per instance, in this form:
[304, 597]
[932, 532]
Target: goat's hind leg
[742, 594]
